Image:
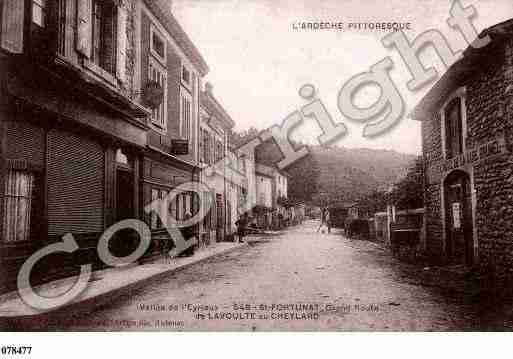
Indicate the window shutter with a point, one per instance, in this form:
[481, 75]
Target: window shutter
[122, 44]
[84, 27]
[12, 25]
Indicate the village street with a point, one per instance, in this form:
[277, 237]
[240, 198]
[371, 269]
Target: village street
[299, 280]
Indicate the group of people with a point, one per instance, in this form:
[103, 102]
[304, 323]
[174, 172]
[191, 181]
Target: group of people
[325, 220]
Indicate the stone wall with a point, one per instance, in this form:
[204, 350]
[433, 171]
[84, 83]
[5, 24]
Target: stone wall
[493, 177]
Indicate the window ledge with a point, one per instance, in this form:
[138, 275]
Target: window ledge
[103, 74]
[157, 128]
[161, 61]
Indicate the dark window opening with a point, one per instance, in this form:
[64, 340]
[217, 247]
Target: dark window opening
[158, 45]
[104, 35]
[47, 27]
[453, 128]
[186, 76]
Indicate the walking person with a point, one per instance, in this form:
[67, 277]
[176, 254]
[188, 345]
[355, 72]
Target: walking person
[241, 224]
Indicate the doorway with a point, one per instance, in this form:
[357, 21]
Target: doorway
[459, 241]
[220, 218]
[125, 241]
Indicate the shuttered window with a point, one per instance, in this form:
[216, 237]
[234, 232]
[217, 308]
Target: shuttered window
[13, 12]
[186, 115]
[208, 149]
[201, 146]
[75, 176]
[121, 45]
[61, 31]
[104, 35]
[157, 73]
[84, 27]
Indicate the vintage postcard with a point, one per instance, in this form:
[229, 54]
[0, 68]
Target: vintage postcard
[255, 166]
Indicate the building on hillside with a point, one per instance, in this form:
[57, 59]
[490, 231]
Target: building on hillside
[265, 183]
[166, 58]
[215, 128]
[74, 134]
[467, 120]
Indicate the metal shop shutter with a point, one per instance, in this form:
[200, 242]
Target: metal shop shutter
[75, 175]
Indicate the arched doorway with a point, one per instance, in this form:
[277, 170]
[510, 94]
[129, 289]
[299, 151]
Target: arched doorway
[459, 242]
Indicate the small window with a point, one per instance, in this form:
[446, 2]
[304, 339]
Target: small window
[158, 45]
[453, 128]
[39, 12]
[186, 76]
[219, 151]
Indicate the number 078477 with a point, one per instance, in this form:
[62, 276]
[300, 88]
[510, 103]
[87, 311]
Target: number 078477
[15, 350]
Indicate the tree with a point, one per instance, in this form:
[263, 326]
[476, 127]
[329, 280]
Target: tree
[408, 193]
[375, 201]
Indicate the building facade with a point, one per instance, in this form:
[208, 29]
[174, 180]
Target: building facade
[215, 127]
[467, 120]
[73, 133]
[167, 59]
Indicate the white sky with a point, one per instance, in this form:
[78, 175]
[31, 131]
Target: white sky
[258, 62]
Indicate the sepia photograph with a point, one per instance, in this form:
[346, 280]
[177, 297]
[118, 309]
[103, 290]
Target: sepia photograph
[255, 166]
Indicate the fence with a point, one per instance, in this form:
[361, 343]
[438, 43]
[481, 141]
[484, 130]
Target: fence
[401, 228]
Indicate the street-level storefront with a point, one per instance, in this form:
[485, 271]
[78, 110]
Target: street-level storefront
[161, 174]
[71, 165]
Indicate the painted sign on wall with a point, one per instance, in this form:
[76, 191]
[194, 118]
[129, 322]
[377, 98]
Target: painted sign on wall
[491, 148]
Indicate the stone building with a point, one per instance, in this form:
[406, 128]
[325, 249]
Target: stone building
[467, 120]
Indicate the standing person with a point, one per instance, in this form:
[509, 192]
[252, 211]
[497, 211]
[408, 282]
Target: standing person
[323, 219]
[328, 220]
[241, 227]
